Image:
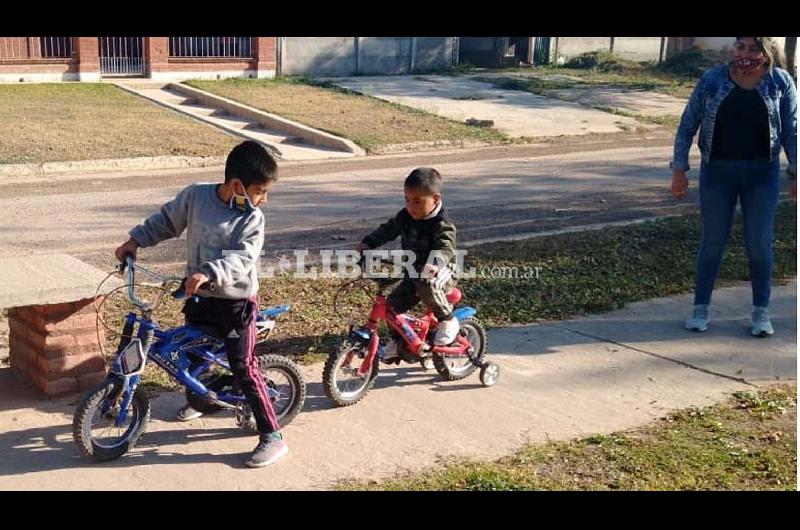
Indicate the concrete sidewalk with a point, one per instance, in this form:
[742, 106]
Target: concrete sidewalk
[598, 374]
[514, 112]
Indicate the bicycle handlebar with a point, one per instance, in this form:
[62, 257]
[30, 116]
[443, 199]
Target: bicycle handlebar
[129, 263]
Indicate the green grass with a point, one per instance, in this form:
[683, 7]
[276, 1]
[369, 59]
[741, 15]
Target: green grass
[375, 125]
[746, 443]
[602, 270]
[51, 122]
[678, 86]
[545, 87]
[667, 84]
[676, 76]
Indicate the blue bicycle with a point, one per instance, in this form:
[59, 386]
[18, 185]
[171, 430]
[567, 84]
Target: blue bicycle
[111, 418]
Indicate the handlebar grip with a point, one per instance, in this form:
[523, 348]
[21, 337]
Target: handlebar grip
[180, 292]
[127, 260]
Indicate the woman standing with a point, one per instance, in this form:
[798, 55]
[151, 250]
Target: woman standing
[746, 111]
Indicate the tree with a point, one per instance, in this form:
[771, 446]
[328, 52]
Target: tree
[790, 49]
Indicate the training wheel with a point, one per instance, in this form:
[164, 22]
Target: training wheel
[490, 373]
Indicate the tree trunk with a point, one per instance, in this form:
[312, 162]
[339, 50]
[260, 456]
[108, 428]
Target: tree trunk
[790, 48]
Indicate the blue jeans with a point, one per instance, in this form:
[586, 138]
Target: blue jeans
[755, 183]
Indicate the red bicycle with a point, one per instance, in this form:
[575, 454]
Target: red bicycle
[351, 370]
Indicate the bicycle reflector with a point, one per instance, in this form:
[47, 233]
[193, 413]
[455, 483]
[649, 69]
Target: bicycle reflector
[132, 358]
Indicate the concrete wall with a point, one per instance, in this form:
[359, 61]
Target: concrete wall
[38, 71]
[568, 47]
[384, 55]
[322, 56]
[344, 56]
[638, 48]
[723, 43]
[630, 48]
[434, 53]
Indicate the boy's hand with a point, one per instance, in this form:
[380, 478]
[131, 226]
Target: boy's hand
[194, 282]
[429, 271]
[360, 247]
[128, 247]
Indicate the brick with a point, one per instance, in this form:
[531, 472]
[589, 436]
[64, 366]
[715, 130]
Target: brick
[59, 345]
[25, 313]
[71, 365]
[26, 318]
[20, 351]
[53, 387]
[85, 338]
[14, 67]
[29, 337]
[90, 380]
[58, 312]
[74, 323]
[20, 364]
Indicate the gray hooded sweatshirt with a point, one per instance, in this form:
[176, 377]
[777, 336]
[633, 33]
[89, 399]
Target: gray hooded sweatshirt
[221, 242]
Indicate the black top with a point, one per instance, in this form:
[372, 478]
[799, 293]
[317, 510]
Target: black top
[421, 237]
[741, 130]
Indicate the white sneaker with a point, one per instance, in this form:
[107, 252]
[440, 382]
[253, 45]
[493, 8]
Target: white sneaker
[187, 413]
[761, 326]
[447, 331]
[390, 351]
[699, 319]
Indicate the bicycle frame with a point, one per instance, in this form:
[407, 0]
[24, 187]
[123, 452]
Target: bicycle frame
[401, 324]
[184, 352]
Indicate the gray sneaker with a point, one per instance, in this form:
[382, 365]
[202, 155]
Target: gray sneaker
[699, 319]
[761, 326]
[270, 448]
[187, 413]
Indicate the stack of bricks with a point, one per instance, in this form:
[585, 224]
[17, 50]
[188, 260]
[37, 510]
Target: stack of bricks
[55, 347]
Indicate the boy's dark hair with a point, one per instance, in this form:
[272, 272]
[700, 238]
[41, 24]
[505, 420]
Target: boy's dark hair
[425, 178]
[250, 163]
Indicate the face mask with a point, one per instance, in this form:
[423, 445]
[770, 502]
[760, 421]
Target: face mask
[747, 66]
[241, 202]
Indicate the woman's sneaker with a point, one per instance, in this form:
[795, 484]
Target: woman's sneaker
[761, 326]
[699, 319]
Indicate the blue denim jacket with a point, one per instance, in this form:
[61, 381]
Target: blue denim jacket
[779, 94]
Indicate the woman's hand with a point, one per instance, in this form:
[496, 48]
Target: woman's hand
[679, 183]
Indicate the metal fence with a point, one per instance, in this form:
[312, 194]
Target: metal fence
[121, 56]
[222, 47]
[36, 47]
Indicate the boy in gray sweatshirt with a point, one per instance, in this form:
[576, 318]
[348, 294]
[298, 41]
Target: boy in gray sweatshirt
[224, 235]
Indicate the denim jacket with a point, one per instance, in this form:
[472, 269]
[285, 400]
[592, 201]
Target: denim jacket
[776, 89]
